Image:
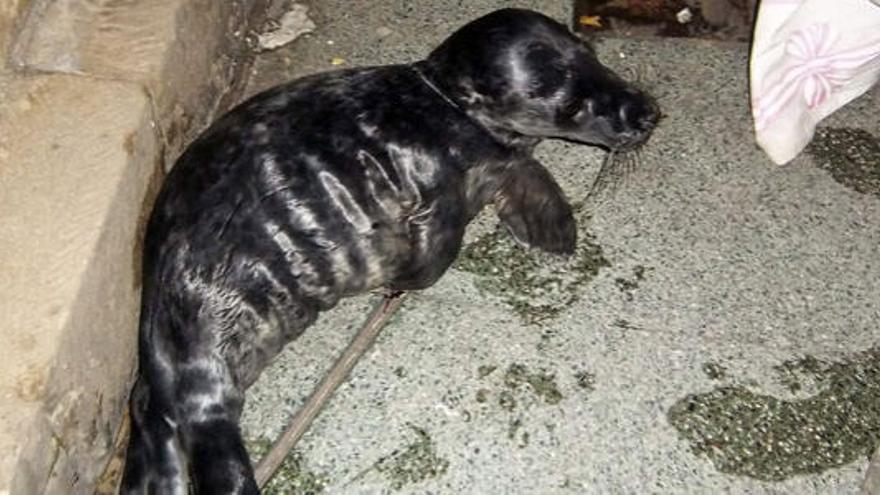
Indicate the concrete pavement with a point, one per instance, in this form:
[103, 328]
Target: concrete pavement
[715, 332]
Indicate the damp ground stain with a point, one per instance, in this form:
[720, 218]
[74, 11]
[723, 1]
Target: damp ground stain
[414, 463]
[542, 384]
[518, 389]
[714, 370]
[794, 374]
[486, 370]
[851, 156]
[628, 286]
[586, 380]
[519, 384]
[293, 477]
[747, 433]
[536, 285]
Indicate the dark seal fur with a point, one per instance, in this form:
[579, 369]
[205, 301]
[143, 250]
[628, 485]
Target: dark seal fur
[335, 184]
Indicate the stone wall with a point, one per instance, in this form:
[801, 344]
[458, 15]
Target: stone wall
[10, 15]
[97, 97]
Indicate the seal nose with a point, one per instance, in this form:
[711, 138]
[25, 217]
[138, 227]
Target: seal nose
[638, 117]
[641, 116]
[649, 119]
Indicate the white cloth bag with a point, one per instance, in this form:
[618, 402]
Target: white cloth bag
[809, 58]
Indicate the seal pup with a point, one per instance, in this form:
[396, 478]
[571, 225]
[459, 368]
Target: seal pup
[335, 184]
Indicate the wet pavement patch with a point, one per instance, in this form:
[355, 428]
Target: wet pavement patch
[542, 384]
[513, 428]
[536, 285]
[518, 388]
[518, 384]
[293, 477]
[748, 433]
[714, 370]
[851, 156]
[586, 380]
[794, 374]
[624, 324]
[414, 463]
[486, 370]
[628, 286]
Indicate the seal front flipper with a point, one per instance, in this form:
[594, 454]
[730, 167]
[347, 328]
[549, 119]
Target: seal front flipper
[533, 208]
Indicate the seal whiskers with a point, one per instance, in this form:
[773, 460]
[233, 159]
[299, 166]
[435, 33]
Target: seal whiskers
[618, 169]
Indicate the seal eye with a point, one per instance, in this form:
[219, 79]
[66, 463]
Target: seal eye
[546, 68]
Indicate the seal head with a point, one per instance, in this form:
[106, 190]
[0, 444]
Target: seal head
[525, 77]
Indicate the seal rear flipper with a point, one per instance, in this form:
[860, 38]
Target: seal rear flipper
[219, 461]
[533, 208]
[153, 461]
[208, 406]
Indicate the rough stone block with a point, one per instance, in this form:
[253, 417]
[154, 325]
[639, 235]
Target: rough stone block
[76, 158]
[186, 52]
[10, 11]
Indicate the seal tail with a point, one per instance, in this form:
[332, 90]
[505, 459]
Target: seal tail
[153, 463]
[219, 461]
[184, 436]
[208, 407]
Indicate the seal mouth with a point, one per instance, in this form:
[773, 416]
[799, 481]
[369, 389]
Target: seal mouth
[630, 143]
[627, 147]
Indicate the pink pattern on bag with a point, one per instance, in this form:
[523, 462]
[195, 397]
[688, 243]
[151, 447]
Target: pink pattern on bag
[812, 70]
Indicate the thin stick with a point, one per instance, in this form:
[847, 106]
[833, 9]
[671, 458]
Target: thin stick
[380, 315]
